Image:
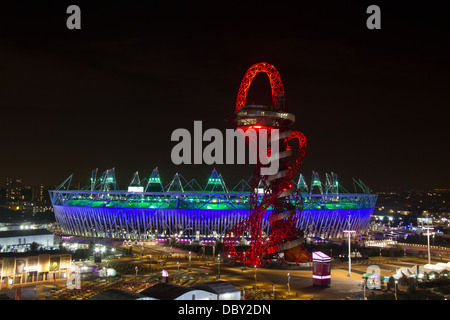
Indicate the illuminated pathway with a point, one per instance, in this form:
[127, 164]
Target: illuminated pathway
[300, 280]
[301, 288]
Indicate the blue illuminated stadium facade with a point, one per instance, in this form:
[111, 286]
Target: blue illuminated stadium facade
[147, 210]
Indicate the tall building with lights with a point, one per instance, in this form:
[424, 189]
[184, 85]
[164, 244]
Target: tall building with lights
[14, 196]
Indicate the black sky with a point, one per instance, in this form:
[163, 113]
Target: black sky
[372, 103]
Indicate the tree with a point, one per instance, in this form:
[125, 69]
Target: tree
[34, 246]
[80, 254]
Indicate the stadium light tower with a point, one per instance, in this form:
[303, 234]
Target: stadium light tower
[349, 232]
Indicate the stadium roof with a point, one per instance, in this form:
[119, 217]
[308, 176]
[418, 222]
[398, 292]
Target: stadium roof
[107, 182]
[24, 233]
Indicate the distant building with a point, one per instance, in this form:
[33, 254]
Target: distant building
[20, 240]
[28, 267]
[14, 195]
[40, 200]
[316, 240]
[7, 226]
[221, 290]
[442, 190]
[170, 291]
[38, 194]
[379, 236]
[215, 290]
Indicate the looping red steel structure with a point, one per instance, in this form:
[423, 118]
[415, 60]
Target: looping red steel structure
[279, 193]
[274, 78]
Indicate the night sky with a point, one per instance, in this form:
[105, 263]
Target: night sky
[371, 103]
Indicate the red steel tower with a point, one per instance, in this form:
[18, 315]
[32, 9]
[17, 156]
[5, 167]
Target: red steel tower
[277, 191]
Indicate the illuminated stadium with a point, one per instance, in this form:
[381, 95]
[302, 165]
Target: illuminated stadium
[189, 213]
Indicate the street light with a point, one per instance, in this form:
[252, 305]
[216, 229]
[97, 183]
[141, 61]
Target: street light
[288, 283]
[396, 281]
[349, 247]
[365, 284]
[428, 228]
[218, 267]
[189, 260]
[428, 243]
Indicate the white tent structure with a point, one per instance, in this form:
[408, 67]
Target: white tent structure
[412, 271]
[432, 267]
[446, 266]
[419, 271]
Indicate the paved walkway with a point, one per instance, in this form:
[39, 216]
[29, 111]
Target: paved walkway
[268, 281]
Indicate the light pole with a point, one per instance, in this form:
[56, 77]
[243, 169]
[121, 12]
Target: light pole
[364, 284]
[255, 276]
[288, 284]
[349, 247]
[428, 228]
[273, 291]
[396, 281]
[189, 260]
[218, 267]
[428, 243]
